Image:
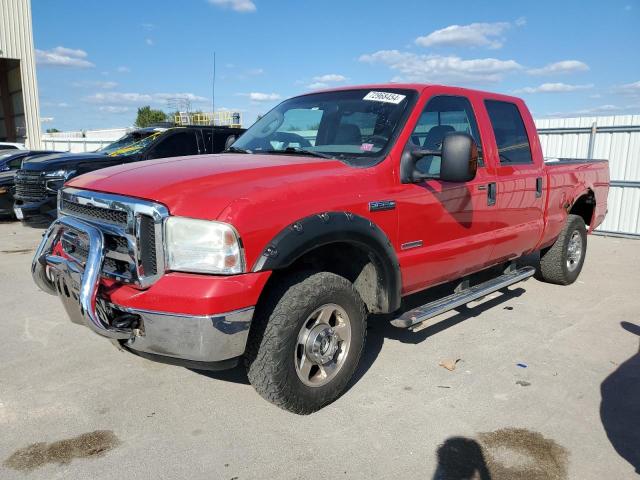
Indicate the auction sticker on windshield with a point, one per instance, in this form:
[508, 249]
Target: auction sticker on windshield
[386, 97]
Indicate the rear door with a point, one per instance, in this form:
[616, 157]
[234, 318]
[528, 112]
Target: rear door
[445, 228]
[519, 212]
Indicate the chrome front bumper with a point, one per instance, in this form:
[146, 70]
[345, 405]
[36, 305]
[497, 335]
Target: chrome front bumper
[209, 338]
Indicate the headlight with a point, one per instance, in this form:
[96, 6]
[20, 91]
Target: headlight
[55, 180]
[59, 174]
[202, 246]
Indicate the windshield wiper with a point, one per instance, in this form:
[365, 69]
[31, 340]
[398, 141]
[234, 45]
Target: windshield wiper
[233, 149]
[301, 151]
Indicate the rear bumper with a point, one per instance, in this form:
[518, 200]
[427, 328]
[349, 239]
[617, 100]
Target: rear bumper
[192, 320]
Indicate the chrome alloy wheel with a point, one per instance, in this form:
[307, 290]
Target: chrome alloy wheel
[574, 251]
[323, 345]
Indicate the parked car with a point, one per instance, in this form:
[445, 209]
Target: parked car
[333, 206]
[37, 183]
[10, 162]
[12, 146]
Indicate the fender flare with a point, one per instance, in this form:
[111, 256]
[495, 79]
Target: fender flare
[322, 229]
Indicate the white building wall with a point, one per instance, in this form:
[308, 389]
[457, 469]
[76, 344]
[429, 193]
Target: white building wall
[16, 42]
[617, 139]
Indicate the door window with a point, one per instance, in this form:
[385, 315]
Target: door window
[176, 145]
[442, 115]
[509, 130]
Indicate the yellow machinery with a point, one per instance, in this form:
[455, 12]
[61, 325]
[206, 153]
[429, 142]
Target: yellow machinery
[221, 118]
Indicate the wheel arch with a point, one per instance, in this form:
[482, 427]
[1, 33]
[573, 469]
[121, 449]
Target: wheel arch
[343, 243]
[584, 206]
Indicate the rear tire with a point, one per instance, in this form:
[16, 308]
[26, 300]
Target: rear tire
[562, 262]
[306, 341]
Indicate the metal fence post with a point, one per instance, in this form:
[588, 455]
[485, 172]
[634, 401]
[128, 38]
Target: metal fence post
[592, 139]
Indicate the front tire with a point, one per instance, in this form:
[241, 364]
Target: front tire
[562, 262]
[306, 341]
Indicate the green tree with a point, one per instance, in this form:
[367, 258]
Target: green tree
[52, 130]
[147, 116]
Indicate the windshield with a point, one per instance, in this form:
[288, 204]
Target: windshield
[131, 143]
[356, 126]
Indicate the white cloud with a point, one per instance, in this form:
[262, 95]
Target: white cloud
[520, 22]
[261, 97]
[123, 69]
[113, 109]
[149, 41]
[255, 71]
[317, 85]
[607, 109]
[329, 78]
[243, 6]
[120, 98]
[106, 85]
[554, 88]
[148, 26]
[46, 119]
[63, 57]
[472, 35]
[565, 66]
[183, 96]
[437, 68]
[632, 89]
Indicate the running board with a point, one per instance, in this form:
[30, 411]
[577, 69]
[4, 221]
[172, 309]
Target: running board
[462, 297]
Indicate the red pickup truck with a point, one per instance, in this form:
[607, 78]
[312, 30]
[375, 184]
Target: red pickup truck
[334, 205]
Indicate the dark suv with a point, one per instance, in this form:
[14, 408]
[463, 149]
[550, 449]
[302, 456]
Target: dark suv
[38, 181]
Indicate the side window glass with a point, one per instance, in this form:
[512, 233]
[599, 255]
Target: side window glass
[15, 164]
[176, 145]
[511, 136]
[442, 115]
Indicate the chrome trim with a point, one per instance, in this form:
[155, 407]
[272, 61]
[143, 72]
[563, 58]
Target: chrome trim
[462, 297]
[207, 338]
[134, 208]
[75, 284]
[410, 245]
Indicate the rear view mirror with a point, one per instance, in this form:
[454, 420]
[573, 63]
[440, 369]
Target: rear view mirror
[229, 141]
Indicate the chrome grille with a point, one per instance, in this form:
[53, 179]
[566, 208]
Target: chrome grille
[30, 186]
[132, 232]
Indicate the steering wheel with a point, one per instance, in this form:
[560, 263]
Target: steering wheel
[289, 138]
[378, 140]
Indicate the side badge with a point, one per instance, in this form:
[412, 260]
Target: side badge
[380, 205]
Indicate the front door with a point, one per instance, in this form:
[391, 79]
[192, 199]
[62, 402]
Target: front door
[446, 229]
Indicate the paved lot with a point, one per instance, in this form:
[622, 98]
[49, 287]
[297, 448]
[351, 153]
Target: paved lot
[573, 412]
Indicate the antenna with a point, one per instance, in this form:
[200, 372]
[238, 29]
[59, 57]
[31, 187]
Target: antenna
[213, 101]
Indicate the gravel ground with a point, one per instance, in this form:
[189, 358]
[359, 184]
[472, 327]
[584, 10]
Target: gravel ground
[72, 406]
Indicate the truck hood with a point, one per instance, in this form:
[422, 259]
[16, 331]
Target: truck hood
[202, 186]
[57, 161]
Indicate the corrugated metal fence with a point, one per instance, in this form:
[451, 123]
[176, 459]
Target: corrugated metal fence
[616, 138]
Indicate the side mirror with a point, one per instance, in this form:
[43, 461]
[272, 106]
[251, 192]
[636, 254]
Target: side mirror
[459, 159]
[229, 141]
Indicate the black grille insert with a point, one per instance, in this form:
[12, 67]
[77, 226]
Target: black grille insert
[116, 217]
[148, 245]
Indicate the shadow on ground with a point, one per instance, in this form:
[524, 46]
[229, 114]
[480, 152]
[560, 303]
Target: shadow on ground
[620, 407]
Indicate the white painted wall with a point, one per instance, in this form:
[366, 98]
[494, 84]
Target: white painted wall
[16, 42]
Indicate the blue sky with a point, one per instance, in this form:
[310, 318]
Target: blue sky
[98, 61]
